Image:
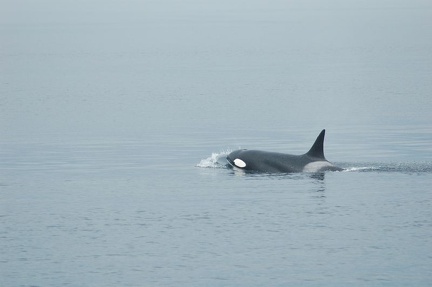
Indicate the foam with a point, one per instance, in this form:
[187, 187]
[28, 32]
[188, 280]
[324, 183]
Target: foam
[216, 160]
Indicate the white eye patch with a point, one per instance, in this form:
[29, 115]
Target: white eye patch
[239, 163]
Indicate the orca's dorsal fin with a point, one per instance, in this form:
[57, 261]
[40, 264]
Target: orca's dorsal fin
[317, 149]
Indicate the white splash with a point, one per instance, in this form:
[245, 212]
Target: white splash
[216, 160]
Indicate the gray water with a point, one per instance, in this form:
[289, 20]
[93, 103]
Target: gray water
[115, 118]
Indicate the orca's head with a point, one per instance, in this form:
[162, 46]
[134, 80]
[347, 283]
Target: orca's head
[234, 158]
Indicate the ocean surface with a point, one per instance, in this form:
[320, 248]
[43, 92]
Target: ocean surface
[116, 117]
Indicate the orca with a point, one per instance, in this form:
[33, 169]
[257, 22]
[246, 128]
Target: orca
[273, 162]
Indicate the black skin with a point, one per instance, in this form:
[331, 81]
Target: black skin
[274, 162]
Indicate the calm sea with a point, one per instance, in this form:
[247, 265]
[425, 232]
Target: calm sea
[115, 119]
